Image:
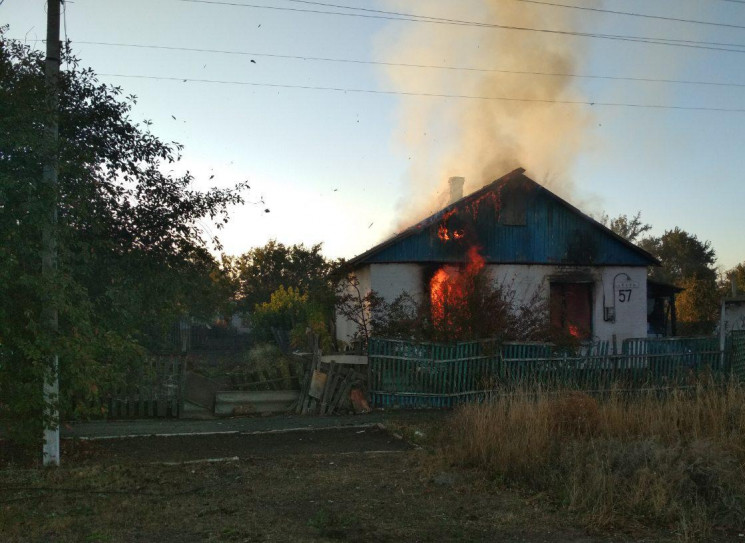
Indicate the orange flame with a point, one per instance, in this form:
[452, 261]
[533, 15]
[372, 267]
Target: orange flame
[450, 287]
[442, 233]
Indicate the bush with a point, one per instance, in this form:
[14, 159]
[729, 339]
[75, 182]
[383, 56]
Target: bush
[290, 311]
[474, 307]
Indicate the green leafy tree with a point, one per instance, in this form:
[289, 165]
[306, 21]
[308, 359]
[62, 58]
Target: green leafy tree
[689, 263]
[630, 228]
[132, 257]
[286, 309]
[289, 310]
[682, 256]
[262, 270]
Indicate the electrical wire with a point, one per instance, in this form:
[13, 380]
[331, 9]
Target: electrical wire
[409, 65]
[630, 14]
[395, 16]
[428, 95]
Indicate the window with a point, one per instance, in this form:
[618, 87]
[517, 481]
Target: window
[571, 308]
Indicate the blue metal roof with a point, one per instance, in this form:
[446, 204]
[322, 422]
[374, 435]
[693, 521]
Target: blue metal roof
[512, 220]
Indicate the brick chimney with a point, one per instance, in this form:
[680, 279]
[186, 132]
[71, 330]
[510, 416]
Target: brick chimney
[456, 188]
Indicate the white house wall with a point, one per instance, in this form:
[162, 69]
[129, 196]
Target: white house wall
[392, 280]
[630, 314]
[527, 281]
[389, 281]
[734, 314]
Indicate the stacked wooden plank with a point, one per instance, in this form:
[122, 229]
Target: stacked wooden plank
[326, 387]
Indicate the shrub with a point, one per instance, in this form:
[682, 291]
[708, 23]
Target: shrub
[480, 308]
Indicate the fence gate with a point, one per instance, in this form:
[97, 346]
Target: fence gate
[152, 391]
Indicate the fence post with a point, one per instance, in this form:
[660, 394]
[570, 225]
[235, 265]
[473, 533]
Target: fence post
[181, 386]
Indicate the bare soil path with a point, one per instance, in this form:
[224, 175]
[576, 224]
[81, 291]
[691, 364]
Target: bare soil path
[143, 427]
[340, 484]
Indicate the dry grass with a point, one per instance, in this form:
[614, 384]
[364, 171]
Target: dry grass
[674, 459]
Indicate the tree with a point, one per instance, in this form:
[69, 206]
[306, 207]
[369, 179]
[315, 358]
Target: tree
[132, 257]
[263, 270]
[290, 311]
[734, 280]
[682, 256]
[629, 228]
[688, 263]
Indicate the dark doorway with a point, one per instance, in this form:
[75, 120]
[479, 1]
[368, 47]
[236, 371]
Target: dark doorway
[571, 308]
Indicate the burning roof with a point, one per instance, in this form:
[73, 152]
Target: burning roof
[511, 220]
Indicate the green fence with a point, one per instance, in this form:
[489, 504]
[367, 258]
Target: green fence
[408, 374]
[736, 349]
[430, 375]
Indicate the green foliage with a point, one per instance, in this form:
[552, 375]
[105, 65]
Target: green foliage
[689, 263]
[627, 227]
[131, 255]
[287, 287]
[289, 310]
[262, 270]
[682, 256]
[286, 309]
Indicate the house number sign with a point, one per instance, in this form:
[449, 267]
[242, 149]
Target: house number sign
[624, 290]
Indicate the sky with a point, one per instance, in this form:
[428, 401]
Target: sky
[349, 168]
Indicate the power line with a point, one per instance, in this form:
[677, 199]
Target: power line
[630, 14]
[396, 16]
[426, 18]
[410, 65]
[426, 94]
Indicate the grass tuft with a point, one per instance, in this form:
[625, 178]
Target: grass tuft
[652, 459]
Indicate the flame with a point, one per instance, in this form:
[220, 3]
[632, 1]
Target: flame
[442, 233]
[446, 235]
[449, 289]
[574, 331]
[489, 198]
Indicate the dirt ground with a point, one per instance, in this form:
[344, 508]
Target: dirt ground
[346, 484]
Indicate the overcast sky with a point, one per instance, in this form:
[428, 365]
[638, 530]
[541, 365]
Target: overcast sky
[341, 166]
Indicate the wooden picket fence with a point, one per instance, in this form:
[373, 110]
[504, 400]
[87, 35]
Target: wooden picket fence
[153, 391]
[408, 374]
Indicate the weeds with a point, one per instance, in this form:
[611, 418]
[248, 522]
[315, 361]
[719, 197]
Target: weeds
[659, 460]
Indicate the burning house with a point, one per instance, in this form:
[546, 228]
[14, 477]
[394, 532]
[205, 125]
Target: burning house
[526, 239]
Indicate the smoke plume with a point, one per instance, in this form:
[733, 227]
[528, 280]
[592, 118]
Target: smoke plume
[483, 139]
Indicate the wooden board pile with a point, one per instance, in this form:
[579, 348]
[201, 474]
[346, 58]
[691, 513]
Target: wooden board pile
[328, 388]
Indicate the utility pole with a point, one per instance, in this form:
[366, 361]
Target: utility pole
[49, 318]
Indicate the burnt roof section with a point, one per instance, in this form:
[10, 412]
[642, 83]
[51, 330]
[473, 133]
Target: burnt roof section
[513, 178]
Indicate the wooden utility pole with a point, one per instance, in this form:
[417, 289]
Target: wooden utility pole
[49, 318]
